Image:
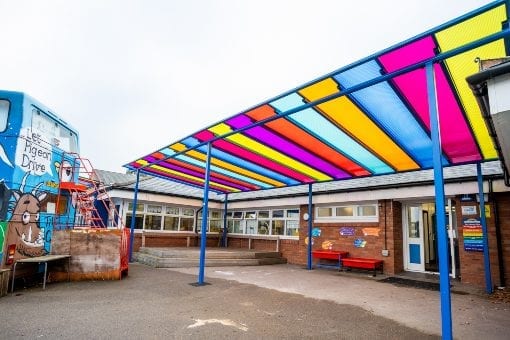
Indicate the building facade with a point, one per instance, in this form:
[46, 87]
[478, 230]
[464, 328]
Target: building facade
[391, 218]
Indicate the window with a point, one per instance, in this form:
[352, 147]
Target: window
[293, 213]
[161, 217]
[292, 228]
[155, 209]
[264, 214]
[277, 213]
[367, 210]
[353, 212]
[264, 222]
[278, 227]
[139, 207]
[171, 223]
[324, 212]
[152, 222]
[138, 220]
[172, 211]
[52, 132]
[344, 211]
[4, 114]
[186, 224]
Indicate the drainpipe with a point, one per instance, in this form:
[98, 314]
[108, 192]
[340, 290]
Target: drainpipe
[501, 263]
[196, 218]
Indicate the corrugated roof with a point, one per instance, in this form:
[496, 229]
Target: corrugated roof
[157, 185]
[369, 118]
[165, 187]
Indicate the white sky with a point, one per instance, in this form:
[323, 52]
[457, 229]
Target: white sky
[134, 76]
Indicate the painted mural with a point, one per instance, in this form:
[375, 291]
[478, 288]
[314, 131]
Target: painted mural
[24, 227]
[31, 155]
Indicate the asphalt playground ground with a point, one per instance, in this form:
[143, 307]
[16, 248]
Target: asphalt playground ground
[263, 302]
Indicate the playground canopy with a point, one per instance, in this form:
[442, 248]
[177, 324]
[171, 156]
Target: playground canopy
[365, 119]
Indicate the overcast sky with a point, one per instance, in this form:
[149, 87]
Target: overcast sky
[134, 76]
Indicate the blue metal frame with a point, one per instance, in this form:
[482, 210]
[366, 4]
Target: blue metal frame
[309, 249]
[467, 16]
[205, 215]
[496, 36]
[225, 209]
[444, 272]
[486, 258]
[133, 217]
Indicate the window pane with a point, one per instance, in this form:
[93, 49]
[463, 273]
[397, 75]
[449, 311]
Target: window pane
[294, 213]
[4, 113]
[324, 212]
[344, 211]
[292, 228]
[215, 225]
[277, 213]
[263, 227]
[278, 227]
[251, 227]
[186, 224]
[229, 214]
[264, 214]
[413, 222]
[152, 222]
[67, 140]
[215, 214]
[188, 212]
[235, 227]
[171, 223]
[155, 209]
[366, 210]
[238, 214]
[138, 221]
[250, 214]
[172, 211]
[139, 207]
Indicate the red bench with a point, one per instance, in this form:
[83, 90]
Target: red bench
[333, 257]
[360, 263]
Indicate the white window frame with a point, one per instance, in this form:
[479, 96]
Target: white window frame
[354, 218]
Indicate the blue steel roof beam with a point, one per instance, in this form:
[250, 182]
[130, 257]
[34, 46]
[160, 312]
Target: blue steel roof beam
[493, 37]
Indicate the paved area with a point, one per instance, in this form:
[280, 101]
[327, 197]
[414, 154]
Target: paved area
[267, 302]
[474, 316]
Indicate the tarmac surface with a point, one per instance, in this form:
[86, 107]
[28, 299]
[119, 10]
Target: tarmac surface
[260, 302]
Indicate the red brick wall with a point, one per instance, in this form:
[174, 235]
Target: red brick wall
[472, 270]
[503, 203]
[390, 224]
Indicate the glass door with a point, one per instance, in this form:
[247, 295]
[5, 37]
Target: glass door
[413, 231]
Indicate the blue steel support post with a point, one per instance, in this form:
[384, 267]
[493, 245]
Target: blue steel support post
[133, 218]
[309, 251]
[225, 209]
[444, 272]
[205, 215]
[486, 258]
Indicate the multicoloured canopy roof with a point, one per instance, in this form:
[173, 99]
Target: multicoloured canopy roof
[368, 118]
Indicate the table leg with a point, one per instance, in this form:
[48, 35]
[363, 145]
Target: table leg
[44, 278]
[13, 276]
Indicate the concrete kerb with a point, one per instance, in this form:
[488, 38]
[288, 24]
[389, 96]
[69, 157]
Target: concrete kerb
[474, 316]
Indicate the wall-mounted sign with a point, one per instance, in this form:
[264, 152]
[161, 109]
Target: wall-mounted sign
[467, 198]
[469, 210]
[371, 231]
[327, 245]
[360, 243]
[347, 231]
[316, 232]
[473, 234]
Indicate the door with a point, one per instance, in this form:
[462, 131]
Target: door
[413, 231]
